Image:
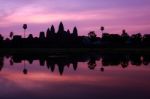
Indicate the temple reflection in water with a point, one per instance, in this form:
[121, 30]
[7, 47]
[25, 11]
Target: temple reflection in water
[94, 61]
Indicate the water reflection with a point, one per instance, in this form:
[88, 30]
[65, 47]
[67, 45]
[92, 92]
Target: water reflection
[62, 61]
[89, 76]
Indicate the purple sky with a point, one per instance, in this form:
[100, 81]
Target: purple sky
[87, 15]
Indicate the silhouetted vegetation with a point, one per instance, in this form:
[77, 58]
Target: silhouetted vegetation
[68, 39]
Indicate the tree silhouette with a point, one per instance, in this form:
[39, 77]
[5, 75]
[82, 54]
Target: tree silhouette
[102, 69]
[1, 38]
[11, 35]
[92, 34]
[124, 31]
[125, 37]
[25, 27]
[30, 36]
[136, 39]
[25, 71]
[146, 40]
[92, 63]
[1, 63]
[102, 29]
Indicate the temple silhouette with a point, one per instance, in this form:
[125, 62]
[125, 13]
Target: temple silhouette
[66, 39]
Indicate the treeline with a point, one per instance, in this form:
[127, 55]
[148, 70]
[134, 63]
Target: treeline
[67, 39]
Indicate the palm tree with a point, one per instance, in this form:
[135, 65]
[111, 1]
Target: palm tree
[11, 35]
[24, 27]
[25, 71]
[102, 29]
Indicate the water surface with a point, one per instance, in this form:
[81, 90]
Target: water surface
[67, 77]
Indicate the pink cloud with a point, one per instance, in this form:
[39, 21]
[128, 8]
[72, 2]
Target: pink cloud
[115, 16]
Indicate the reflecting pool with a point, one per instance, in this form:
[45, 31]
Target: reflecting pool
[92, 76]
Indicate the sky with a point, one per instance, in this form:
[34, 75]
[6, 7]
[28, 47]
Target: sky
[86, 15]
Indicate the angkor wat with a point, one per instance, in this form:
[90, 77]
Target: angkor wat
[67, 39]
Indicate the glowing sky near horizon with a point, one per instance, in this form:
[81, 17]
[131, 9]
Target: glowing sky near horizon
[87, 15]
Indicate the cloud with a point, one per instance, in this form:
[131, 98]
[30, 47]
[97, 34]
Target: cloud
[85, 14]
